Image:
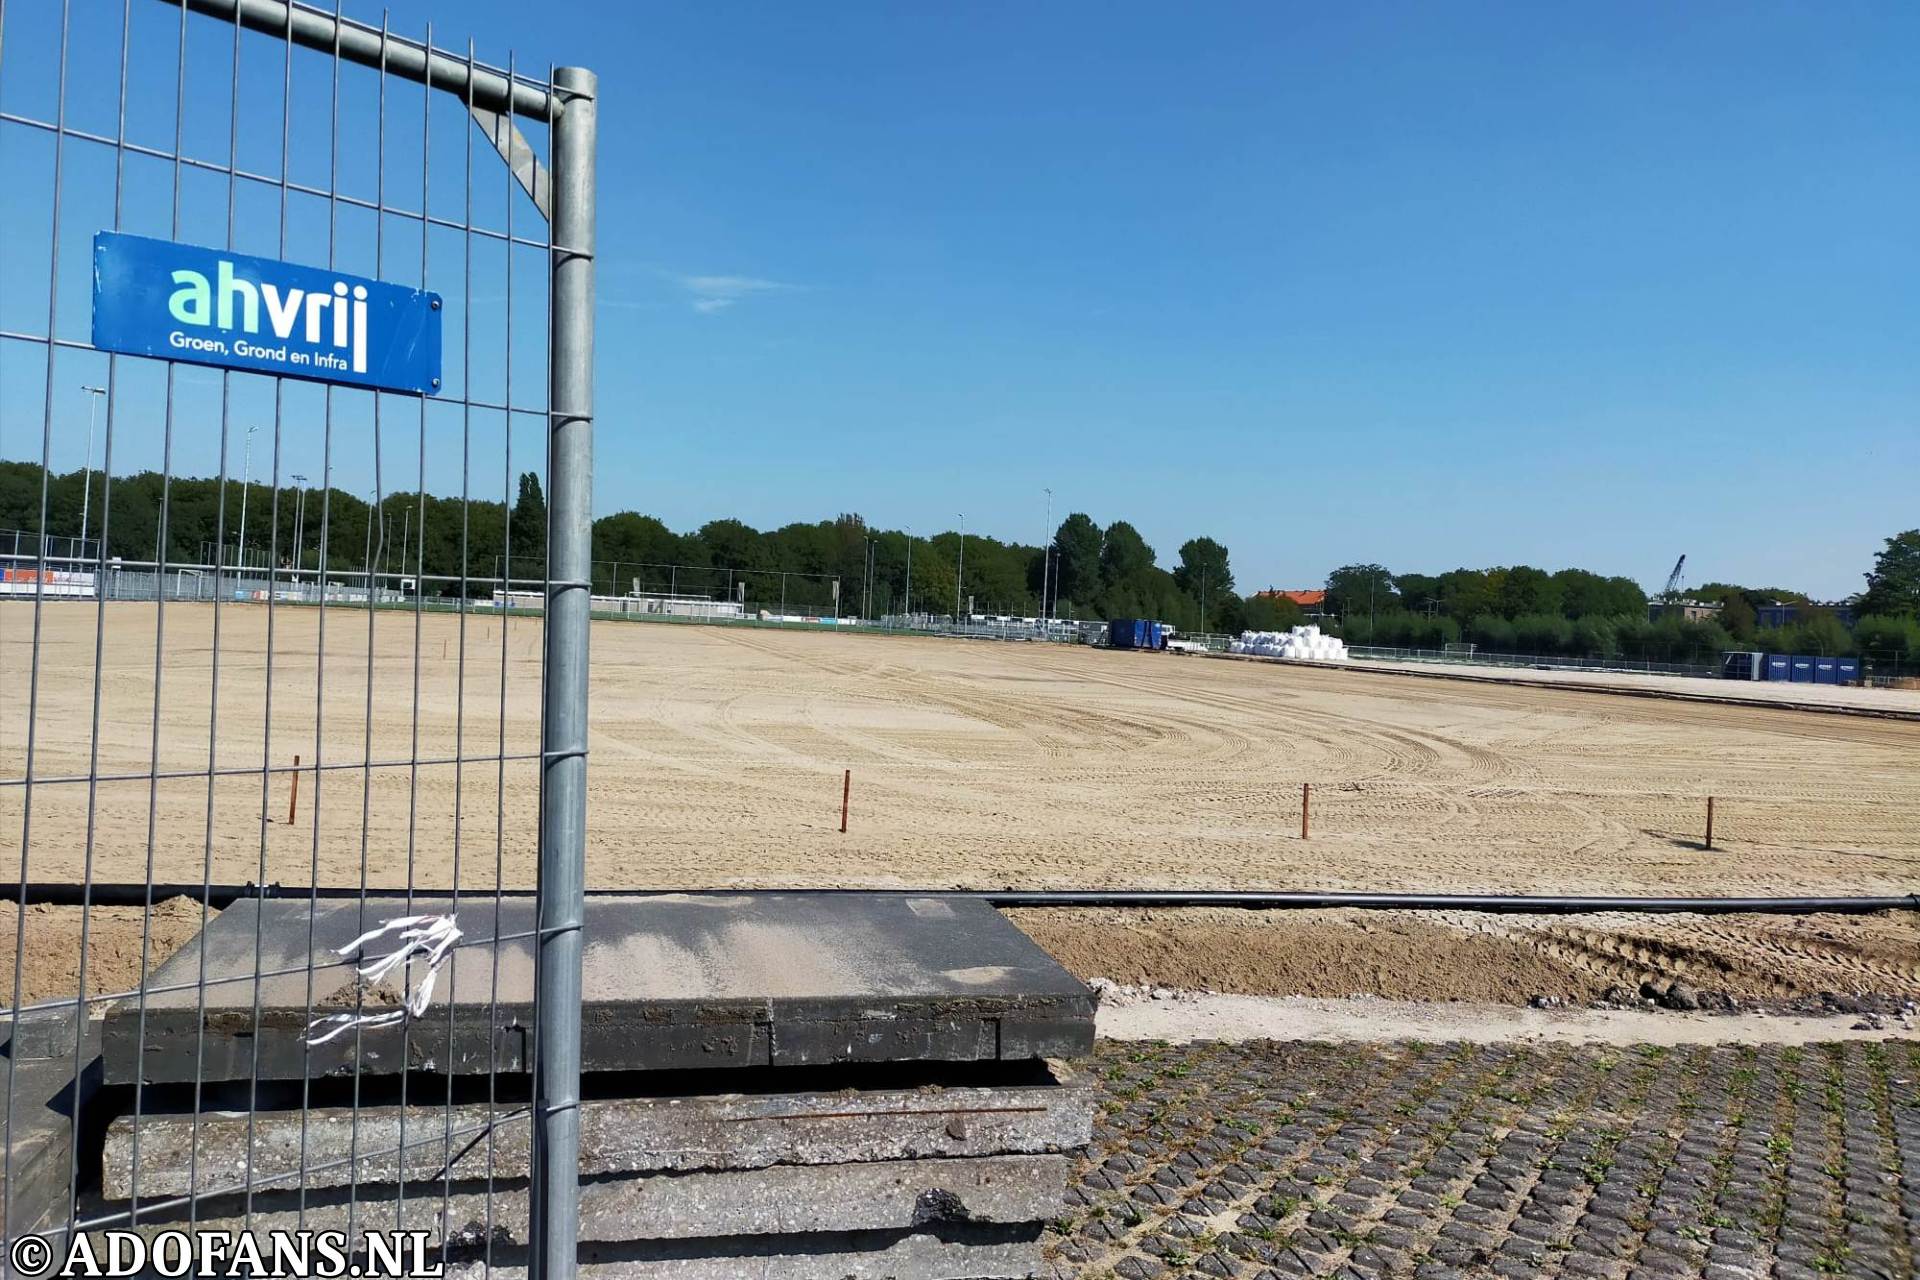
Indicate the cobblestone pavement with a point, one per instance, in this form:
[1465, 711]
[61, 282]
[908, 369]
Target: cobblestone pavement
[1277, 1160]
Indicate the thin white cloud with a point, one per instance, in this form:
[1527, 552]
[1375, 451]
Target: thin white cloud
[710, 294]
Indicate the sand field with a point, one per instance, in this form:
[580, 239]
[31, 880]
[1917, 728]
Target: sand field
[717, 758]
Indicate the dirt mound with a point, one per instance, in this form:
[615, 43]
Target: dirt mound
[1753, 956]
[51, 967]
[1305, 953]
[1780, 961]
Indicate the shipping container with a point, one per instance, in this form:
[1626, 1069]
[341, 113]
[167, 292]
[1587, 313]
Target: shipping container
[1136, 633]
[1849, 670]
[1779, 667]
[1802, 669]
[1743, 666]
[1826, 671]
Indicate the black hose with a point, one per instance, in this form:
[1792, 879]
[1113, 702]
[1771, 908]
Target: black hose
[223, 895]
[1545, 904]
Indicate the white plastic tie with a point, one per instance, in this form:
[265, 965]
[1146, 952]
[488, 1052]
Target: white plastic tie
[430, 939]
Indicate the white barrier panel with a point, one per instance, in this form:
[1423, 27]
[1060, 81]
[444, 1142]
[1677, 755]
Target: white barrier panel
[51, 582]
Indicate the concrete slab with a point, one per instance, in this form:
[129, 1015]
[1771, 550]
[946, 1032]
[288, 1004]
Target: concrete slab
[38, 1135]
[671, 981]
[336, 1145]
[895, 1195]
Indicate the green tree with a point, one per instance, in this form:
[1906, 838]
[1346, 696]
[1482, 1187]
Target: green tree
[1584, 594]
[1545, 633]
[1204, 572]
[628, 545]
[1888, 637]
[1417, 591]
[1124, 554]
[932, 579]
[1267, 613]
[1737, 616]
[1465, 594]
[1492, 633]
[1893, 588]
[1528, 591]
[1595, 636]
[1360, 590]
[731, 544]
[1077, 560]
[528, 530]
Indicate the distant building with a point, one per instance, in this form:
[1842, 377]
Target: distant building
[1312, 603]
[1781, 612]
[1685, 610]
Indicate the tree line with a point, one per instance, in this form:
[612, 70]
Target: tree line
[1575, 613]
[1090, 571]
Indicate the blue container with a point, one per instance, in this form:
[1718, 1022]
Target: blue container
[1128, 633]
[1826, 671]
[1156, 635]
[1849, 670]
[1802, 669]
[1778, 667]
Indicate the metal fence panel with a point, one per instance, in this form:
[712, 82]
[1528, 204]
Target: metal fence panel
[223, 661]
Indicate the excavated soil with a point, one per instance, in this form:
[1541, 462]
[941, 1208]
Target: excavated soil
[51, 955]
[1465, 956]
[1304, 953]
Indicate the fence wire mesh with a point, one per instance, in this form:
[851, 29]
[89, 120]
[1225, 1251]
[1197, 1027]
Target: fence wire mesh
[248, 635]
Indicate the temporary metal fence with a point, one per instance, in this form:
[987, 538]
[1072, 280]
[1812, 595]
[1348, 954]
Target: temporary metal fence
[152, 729]
[1645, 666]
[76, 579]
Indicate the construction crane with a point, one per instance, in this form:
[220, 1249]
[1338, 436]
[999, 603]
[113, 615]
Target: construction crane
[1673, 580]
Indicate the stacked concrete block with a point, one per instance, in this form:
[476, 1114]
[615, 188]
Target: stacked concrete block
[783, 1085]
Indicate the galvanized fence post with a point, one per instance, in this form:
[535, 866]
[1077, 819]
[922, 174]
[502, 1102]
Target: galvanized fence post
[553, 1240]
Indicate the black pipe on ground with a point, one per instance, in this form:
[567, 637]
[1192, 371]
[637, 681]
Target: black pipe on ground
[1544, 904]
[223, 895]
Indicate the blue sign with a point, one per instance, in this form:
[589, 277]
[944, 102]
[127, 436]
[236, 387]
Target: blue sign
[208, 306]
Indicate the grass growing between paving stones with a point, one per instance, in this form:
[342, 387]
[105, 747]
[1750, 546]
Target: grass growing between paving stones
[1260, 1161]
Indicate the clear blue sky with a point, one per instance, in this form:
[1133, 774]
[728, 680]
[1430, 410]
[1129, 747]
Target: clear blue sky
[1424, 284]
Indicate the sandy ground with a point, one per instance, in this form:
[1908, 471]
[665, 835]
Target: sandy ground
[717, 758]
[1189, 1018]
[1445, 955]
[49, 952]
[1904, 702]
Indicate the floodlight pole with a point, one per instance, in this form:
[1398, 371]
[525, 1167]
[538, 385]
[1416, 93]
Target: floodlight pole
[1046, 560]
[960, 575]
[246, 481]
[299, 524]
[553, 1240]
[86, 496]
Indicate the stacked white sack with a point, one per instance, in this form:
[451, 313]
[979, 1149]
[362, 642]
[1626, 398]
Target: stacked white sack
[1303, 644]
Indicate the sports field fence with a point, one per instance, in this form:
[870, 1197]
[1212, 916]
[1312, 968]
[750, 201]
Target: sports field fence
[227, 1088]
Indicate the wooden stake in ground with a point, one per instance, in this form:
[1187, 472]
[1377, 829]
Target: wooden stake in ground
[846, 793]
[293, 801]
[1306, 798]
[1709, 840]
